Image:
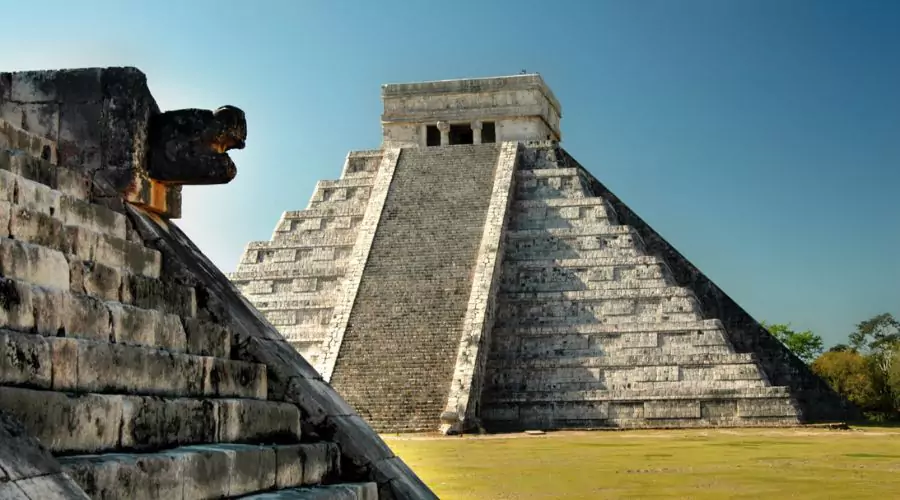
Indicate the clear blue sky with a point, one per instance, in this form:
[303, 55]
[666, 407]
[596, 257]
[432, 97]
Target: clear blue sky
[760, 137]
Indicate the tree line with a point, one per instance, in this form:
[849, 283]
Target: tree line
[865, 369]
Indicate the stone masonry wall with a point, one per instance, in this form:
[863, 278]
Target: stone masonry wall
[817, 401]
[400, 345]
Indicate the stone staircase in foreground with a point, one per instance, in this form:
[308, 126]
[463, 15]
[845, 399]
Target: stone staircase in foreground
[591, 331]
[295, 278]
[128, 391]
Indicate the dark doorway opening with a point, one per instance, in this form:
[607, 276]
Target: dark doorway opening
[488, 133]
[432, 135]
[461, 134]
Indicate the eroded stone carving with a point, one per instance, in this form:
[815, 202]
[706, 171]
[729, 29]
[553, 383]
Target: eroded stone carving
[189, 146]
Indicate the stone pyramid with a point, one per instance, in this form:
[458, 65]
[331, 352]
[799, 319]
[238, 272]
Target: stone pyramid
[130, 367]
[470, 273]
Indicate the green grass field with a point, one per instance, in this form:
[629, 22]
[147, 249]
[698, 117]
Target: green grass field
[702, 464]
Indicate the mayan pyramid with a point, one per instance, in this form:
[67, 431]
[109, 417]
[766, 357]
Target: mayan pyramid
[470, 273]
[130, 367]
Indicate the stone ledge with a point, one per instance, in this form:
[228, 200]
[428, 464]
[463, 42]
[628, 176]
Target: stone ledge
[76, 365]
[204, 471]
[91, 423]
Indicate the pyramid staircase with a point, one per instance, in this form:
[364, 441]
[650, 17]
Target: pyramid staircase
[295, 278]
[592, 331]
[114, 383]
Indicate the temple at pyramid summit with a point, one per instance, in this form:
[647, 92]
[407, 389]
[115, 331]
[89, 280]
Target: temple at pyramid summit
[471, 275]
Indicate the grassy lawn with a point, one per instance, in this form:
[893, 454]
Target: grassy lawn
[702, 464]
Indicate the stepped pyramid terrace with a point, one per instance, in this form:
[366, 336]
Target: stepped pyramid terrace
[471, 274]
[130, 367]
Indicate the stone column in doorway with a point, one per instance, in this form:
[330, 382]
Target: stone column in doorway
[444, 128]
[476, 132]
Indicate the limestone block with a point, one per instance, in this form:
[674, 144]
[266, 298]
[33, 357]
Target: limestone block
[8, 186]
[65, 423]
[321, 461]
[132, 325]
[114, 252]
[144, 477]
[29, 166]
[165, 296]
[40, 229]
[5, 209]
[38, 265]
[766, 408]
[73, 183]
[16, 305]
[24, 360]
[58, 312]
[671, 409]
[206, 338]
[105, 367]
[96, 218]
[149, 423]
[64, 358]
[95, 279]
[230, 378]
[31, 195]
[206, 470]
[253, 469]
[718, 409]
[246, 419]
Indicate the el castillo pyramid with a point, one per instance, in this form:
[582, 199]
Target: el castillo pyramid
[471, 274]
[130, 367]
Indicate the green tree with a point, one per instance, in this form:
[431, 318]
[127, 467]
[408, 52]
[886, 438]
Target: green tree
[806, 344]
[849, 373]
[878, 339]
[878, 333]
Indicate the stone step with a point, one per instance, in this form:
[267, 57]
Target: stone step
[569, 341]
[300, 333]
[15, 139]
[203, 471]
[598, 329]
[84, 366]
[509, 318]
[307, 225]
[40, 228]
[241, 277]
[342, 192]
[549, 183]
[504, 361]
[311, 213]
[693, 411]
[550, 281]
[589, 242]
[343, 491]
[340, 240]
[61, 313]
[294, 257]
[330, 238]
[71, 210]
[536, 383]
[633, 395]
[590, 295]
[48, 268]
[362, 163]
[308, 267]
[68, 423]
[543, 421]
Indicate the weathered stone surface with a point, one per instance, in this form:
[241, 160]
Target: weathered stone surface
[34, 264]
[149, 327]
[188, 146]
[24, 360]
